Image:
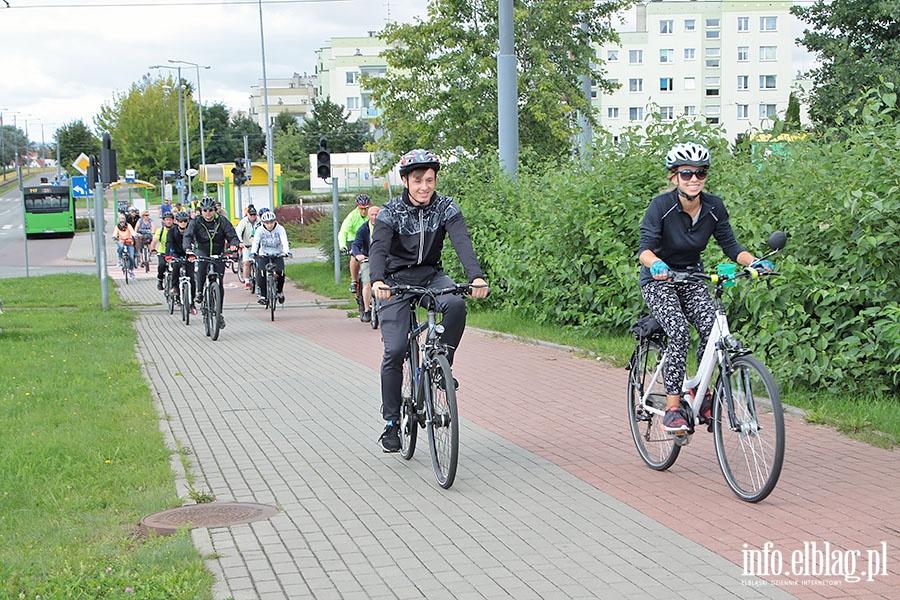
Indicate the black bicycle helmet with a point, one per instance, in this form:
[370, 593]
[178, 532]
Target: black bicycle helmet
[690, 154]
[207, 202]
[363, 200]
[418, 159]
[251, 210]
[182, 216]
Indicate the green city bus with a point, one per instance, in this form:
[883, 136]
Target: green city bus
[49, 210]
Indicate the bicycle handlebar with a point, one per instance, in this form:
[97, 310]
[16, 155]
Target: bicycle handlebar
[717, 278]
[461, 289]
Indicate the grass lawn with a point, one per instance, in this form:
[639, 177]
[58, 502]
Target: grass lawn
[873, 420]
[82, 457]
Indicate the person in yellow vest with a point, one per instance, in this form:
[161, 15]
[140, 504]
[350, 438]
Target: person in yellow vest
[159, 240]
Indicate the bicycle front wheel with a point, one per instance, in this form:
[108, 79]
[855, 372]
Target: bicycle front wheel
[271, 295]
[145, 254]
[749, 446]
[170, 295]
[409, 421]
[656, 446]
[215, 311]
[443, 424]
[252, 276]
[186, 301]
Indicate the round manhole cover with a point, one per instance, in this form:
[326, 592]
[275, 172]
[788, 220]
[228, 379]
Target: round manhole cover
[202, 516]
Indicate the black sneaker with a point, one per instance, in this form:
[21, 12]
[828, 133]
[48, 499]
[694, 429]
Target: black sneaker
[366, 317]
[221, 322]
[280, 298]
[159, 284]
[353, 286]
[390, 437]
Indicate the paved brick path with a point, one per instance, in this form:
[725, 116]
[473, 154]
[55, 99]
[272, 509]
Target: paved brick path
[551, 499]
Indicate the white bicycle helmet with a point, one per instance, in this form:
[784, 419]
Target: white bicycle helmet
[268, 217]
[689, 154]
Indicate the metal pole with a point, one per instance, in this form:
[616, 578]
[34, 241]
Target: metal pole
[180, 137]
[101, 244]
[202, 143]
[187, 143]
[24, 217]
[270, 160]
[334, 218]
[507, 92]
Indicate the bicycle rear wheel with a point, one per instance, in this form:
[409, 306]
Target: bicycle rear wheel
[271, 294]
[145, 257]
[443, 424]
[655, 445]
[215, 311]
[750, 450]
[236, 264]
[409, 421]
[252, 276]
[186, 301]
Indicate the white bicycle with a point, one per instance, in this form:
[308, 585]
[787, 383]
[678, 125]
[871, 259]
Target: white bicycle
[747, 420]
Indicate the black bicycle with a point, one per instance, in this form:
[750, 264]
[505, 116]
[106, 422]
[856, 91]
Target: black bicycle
[146, 238]
[169, 292]
[428, 394]
[211, 303]
[272, 287]
[183, 297]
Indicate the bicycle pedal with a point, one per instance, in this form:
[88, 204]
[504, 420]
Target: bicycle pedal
[682, 439]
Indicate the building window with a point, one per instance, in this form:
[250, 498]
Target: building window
[612, 56]
[767, 111]
[712, 23]
[743, 54]
[712, 86]
[743, 23]
[713, 111]
[667, 113]
[636, 113]
[353, 103]
[635, 57]
[690, 25]
[712, 120]
[352, 77]
[666, 84]
[712, 57]
[743, 111]
[614, 83]
[666, 55]
[743, 82]
[690, 111]
[768, 23]
[612, 112]
[712, 63]
[767, 53]
[593, 94]
[635, 85]
[767, 82]
[667, 26]
[712, 34]
[690, 83]
[690, 53]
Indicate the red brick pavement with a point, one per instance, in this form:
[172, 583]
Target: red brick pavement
[571, 411]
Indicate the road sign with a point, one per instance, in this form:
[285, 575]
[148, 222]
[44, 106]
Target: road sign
[130, 176]
[80, 187]
[82, 163]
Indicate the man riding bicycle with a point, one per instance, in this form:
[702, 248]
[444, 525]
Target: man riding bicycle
[270, 244]
[406, 249]
[175, 249]
[350, 225]
[245, 229]
[159, 239]
[360, 250]
[207, 235]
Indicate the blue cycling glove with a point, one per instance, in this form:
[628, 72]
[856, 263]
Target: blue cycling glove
[766, 266]
[659, 268]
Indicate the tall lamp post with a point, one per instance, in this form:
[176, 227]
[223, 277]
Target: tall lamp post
[200, 101]
[270, 158]
[180, 117]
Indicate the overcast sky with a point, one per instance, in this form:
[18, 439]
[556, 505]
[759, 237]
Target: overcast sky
[63, 59]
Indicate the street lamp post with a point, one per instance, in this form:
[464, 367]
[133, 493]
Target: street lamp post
[180, 117]
[270, 159]
[200, 101]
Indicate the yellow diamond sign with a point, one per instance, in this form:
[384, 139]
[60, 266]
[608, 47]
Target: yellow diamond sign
[82, 163]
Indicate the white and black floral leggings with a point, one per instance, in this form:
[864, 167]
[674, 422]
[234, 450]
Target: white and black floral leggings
[675, 306]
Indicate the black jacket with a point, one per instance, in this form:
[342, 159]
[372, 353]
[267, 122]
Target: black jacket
[407, 236]
[669, 232]
[206, 238]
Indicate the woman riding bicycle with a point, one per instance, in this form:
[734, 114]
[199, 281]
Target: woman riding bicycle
[674, 232]
[270, 244]
[124, 236]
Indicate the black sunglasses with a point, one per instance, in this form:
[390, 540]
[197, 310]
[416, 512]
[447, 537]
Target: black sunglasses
[686, 174]
[212, 209]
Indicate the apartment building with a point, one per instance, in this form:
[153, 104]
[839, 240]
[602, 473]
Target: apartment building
[726, 61]
[292, 95]
[340, 66]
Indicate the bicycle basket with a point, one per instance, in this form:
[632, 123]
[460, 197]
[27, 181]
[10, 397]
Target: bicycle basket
[646, 326]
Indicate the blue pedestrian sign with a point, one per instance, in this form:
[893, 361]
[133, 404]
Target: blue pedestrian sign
[80, 187]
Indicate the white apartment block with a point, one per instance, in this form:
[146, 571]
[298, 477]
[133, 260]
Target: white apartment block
[340, 65]
[293, 95]
[726, 61]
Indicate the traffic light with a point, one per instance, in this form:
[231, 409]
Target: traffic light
[108, 162]
[178, 174]
[323, 160]
[239, 171]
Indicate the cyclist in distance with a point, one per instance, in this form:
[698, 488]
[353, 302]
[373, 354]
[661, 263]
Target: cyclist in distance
[406, 249]
[124, 236]
[269, 244]
[350, 225]
[245, 229]
[133, 217]
[208, 235]
[159, 239]
[360, 249]
[145, 228]
[675, 230]
[175, 249]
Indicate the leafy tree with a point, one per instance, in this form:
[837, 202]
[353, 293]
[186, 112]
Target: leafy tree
[144, 126]
[857, 43]
[75, 138]
[441, 90]
[242, 125]
[329, 120]
[15, 143]
[792, 116]
[217, 129]
[284, 123]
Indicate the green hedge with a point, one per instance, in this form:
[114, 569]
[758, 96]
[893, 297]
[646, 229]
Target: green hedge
[560, 244]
